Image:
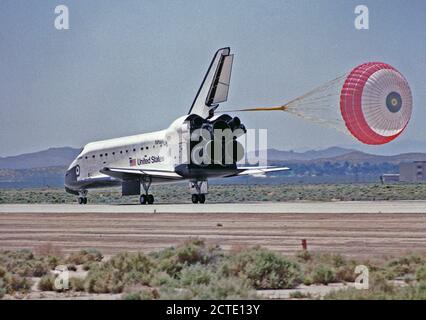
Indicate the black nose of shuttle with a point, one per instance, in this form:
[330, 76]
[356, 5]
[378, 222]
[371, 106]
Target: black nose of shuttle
[71, 177]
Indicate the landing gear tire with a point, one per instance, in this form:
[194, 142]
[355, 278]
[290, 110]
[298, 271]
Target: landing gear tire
[150, 199]
[202, 198]
[198, 198]
[146, 199]
[82, 200]
[194, 198]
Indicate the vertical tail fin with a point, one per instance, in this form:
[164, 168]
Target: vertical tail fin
[215, 86]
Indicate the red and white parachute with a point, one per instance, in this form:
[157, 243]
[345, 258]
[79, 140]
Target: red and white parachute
[373, 103]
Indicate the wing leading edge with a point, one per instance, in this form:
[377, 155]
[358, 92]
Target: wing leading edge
[132, 173]
[258, 171]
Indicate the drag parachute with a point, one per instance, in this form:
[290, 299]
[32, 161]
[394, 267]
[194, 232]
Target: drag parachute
[376, 103]
[373, 103]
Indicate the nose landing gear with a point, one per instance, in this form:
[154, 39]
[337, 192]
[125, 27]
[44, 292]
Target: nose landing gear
[82, 199]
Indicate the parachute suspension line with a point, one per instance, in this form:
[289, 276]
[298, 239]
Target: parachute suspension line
[313, 106]
[318, 105]
[372, 102]
[321, 88]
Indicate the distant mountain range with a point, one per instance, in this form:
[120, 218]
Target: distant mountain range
[338, 154]
[62, 157]
[331, 165]
[53, 157]
[358, 156]
[274, 154]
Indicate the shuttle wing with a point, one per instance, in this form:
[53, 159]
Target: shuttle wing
[258, 171]
[215, 86]
[132, 173]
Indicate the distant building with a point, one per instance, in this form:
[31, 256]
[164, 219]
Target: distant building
[390, 177]
[412, 171]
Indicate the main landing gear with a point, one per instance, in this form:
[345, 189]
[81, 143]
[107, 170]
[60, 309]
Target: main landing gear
[198, 190]
[82, 198]
[198, 198]
[146, 198]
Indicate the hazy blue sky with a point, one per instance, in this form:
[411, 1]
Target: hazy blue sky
[127, 67]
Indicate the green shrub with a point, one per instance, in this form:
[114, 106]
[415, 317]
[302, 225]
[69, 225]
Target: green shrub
[225, 288]
[264, 269]
[163, 279]
[379, 283]
[3, 271]
[53, 261]
[23, 263]
[76, 284]
[22, 255]
[323, 274]
[421, 274]
[405, 265]
[380, 289]
[332, 260]
[16, 283]
[345, 274]
[88, 265]
[84, 256]
[144, 294]
[127, 262]
[46, 283]
[2, 288]
[194, 251]
[304, 256]
[104, 279]
[121, 270]
[300, 295]
[196, 275]
[31, 269]
[389, 274]
[338, 260]
[132, 296]
[307, 280]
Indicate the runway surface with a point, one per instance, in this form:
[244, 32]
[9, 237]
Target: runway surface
[361, 229]
[259, 207]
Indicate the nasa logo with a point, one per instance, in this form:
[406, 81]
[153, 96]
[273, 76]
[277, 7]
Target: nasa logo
[77, 171]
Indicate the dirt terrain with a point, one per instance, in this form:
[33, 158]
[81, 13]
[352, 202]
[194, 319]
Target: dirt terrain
[352, 234]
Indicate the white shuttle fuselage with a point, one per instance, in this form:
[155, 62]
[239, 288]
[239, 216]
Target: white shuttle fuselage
[165, 156]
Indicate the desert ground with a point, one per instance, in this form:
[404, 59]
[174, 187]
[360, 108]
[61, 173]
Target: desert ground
[360, 230]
